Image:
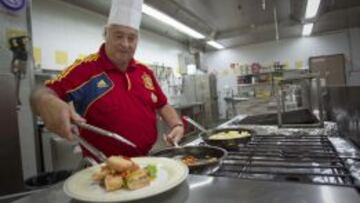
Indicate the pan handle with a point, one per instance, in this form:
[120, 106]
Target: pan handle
[196, 124]
[176, 145]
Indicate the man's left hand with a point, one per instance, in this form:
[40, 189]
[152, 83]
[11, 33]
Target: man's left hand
[174, 137]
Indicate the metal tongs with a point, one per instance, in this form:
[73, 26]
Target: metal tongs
[196, 124]
[106, 133]
[98, 154]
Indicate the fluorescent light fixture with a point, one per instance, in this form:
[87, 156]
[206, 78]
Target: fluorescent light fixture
[171, 21]
[312, 8]
[307, 29]
[215, 44]
[191, 69]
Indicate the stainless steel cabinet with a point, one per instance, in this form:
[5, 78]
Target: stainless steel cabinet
[11, 174]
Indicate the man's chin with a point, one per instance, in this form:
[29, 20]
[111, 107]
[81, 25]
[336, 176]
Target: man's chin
[123, 61]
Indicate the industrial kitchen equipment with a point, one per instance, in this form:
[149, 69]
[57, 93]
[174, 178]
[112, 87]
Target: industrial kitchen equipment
[299, 91]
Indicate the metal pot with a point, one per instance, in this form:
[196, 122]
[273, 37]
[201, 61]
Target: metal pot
[228, 144]
[205, 155]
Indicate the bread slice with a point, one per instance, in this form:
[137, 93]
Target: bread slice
[113, 182]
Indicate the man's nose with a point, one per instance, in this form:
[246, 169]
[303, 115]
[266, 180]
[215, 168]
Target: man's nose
[125, 43]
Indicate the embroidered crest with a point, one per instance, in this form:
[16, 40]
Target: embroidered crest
[102, 84]
[154, 98]
[148, 82]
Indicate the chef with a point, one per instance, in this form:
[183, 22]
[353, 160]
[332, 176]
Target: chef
[111, 90]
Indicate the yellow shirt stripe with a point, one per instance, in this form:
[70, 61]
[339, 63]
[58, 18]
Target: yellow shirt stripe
[67, 71]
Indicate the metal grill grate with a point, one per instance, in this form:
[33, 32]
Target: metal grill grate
[300, 158]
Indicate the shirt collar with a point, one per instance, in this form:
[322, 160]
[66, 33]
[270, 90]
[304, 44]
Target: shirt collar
[108, 65]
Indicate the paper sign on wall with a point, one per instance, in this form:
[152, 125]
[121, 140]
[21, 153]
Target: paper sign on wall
[225, 72]
[61, 57]
[37, 55]
[299, 64]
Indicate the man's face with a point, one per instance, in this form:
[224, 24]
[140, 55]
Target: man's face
[120, 43]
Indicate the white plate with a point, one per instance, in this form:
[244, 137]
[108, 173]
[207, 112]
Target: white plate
[170, 173]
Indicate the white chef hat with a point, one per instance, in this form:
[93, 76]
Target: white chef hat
[126, 12]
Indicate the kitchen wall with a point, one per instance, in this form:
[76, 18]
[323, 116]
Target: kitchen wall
[287, 51]
[58, 26]
[16, 23]
[354, 46]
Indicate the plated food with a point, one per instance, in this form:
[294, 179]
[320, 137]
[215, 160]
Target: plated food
[122, 173]
[169, 173]
[229, 135]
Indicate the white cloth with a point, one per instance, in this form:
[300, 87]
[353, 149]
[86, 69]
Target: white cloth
[126, 12]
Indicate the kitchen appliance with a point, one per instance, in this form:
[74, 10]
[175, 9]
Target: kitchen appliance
[202, 88]
[299, 91]
[290, 158]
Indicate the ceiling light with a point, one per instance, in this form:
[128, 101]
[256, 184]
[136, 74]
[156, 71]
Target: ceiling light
[171, 21]
[307, 29]
[215, 44]
[312, 8]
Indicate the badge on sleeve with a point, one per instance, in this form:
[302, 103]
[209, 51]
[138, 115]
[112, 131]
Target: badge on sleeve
[102, 84]
[148, 82]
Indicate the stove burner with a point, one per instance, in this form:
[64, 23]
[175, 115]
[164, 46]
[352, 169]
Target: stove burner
[301, 158]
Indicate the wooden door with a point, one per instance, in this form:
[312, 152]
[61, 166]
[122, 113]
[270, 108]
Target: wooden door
[331, 68]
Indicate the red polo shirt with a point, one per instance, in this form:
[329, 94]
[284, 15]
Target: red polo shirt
[122, 102]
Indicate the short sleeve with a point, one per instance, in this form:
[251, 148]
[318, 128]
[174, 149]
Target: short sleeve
[69, 79]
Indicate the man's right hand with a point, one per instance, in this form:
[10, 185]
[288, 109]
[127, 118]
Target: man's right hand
[58, 116]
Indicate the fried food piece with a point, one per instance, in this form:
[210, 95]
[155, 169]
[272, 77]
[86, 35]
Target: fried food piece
[113, 182]
[137, 179]
[100, 175]
[119, 172]
[119, 164]
[189, 160]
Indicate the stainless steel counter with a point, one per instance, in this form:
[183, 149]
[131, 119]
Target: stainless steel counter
[329, 129]
[216, 189]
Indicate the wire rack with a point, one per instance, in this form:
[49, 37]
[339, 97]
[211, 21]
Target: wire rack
[301, 158]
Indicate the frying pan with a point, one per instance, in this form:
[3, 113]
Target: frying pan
[228, 144]
[209, 158]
